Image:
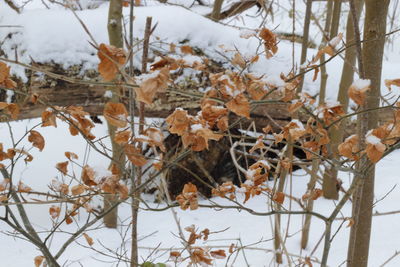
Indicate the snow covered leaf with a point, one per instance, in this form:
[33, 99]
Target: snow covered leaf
[349, 147]
[5, 81]
[116, 114]
[218, 254]
[48, 119]
[4, 184]
[38, 260]
[89, 240]
[178, 122]
[71, 155]
[239, 105]
[77, 189]
[23, 188]
[389, 83]
[122, 137]
[133, 154]
[11, 109]
[279, 197]
[328, 49]
[88, 176]
[54, 211]
[188, 197]
[111, 59]
[62, 167]
[150, 87]
[294, 130]
[375, 148]
[156, 138]
[36, 139]
[226, 188]
[357, 91]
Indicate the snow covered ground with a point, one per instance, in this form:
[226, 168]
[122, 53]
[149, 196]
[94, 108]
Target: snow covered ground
[56, 36]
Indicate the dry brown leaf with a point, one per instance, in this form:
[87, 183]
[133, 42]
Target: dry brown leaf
[270, 42]
[48, 119]
[218, 254]
[36, 139]
[5, 81]
[178, 122]
[122, 137]
[23, 188]
[134, 155]
[54, 211]
[239, 105]
[89, 240]
[38, 260]
[349, 147]
[389, 83]
[238, 60]
[111, 59]
[279, 197]
[223, 123]
[77, 189]
[357, 91]
[88, 176]
[150, 87]
[185, 49]
[11, 109]
[188, 197]
[71, 155]
[116, 114]
[62, 167]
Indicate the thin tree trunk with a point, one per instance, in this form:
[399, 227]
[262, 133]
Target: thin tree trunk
[215, 14]
[304, 44]
[336, 133]
[114, 26]
[324, 76]
[372, 54]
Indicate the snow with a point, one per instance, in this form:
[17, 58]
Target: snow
[361, 84]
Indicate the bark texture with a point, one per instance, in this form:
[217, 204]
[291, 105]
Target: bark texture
[372, 54]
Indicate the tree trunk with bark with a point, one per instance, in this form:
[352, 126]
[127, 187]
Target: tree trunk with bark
[114, 26]
[372, 54]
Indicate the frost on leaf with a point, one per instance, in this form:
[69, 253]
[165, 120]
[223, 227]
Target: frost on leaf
[5, 80]
[150, 87]
[188, 197]
[111, 59]
[116, 114]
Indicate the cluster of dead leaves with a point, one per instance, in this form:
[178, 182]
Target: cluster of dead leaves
[194, 130]
[111, 60]
[188, 197]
